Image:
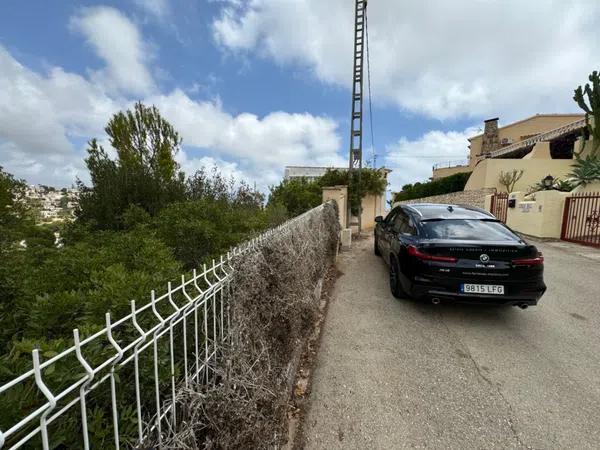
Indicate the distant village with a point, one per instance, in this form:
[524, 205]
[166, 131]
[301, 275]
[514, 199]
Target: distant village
[51, 204]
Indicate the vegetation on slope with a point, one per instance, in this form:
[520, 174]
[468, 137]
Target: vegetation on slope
[140, 224]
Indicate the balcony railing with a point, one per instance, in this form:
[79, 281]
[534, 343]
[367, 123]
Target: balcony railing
[450, 164]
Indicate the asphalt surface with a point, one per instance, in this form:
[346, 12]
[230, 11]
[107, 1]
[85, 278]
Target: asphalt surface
[400, 374]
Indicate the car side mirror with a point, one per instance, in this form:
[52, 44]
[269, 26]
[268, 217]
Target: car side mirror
[379, 219]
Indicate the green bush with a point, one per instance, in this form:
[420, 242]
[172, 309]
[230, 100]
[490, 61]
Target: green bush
[200, 230]
[298, 195]
[440, 186]
[49, 291]
[557, 185]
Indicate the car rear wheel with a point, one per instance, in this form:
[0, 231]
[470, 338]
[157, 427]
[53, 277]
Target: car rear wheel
[376, 247]
[395, 283]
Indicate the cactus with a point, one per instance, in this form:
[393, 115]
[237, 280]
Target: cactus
[592, 110]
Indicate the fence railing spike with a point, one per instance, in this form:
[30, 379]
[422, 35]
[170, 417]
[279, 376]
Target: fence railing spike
[49, 396]
[90, 376]
[113, 388]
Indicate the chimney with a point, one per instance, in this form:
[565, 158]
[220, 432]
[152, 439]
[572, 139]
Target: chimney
[491, 137]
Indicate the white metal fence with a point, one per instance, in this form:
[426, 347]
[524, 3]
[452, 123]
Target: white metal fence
[126, 375]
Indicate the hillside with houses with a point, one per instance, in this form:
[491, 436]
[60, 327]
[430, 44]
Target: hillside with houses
[50, 204]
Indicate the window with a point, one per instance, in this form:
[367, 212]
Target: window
[412, 228]
[403, 224]
[468, 229]
[390, 217]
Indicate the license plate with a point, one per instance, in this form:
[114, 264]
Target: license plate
[494, 289]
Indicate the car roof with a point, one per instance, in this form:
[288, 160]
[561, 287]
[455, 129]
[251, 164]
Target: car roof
[426, 211]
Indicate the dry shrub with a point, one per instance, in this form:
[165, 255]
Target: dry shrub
[273, 306]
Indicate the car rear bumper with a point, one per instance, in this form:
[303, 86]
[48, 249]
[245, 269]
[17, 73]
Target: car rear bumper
[522, 294]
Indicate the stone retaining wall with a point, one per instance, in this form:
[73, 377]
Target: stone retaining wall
[472, 198]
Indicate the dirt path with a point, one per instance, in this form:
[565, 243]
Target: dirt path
[398, 374]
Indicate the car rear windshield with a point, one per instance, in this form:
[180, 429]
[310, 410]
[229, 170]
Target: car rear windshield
[468, 230]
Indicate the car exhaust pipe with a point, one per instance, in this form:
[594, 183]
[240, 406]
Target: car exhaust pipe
[523, 306]
[435, 301]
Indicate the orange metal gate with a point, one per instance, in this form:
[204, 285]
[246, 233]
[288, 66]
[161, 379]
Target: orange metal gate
[581, 219]
[499, 206]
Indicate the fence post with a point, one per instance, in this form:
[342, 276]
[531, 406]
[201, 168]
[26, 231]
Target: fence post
[113, 386]
[172, 353]
[90, 375]
[565, 220]
[156, 378]
[136, 364]
[51, 399]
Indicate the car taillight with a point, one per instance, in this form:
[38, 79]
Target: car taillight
[414, 251]
[537, 261]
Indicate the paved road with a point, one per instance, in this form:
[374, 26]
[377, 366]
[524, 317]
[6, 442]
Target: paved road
[398, 374]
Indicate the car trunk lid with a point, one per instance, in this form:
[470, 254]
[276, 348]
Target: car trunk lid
[486, 261]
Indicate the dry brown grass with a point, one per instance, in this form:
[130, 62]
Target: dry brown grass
[273, 306]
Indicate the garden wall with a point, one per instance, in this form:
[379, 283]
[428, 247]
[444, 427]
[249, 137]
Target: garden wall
[472, 198]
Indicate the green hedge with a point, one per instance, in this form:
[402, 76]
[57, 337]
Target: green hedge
[440, 186]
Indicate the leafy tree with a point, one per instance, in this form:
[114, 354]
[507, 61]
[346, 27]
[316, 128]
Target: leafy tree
[370, 182]
[214, 186]
[219, 214]
[591, 108]
[301, 194]
[439, 186]
[296, 195]
[510, 179]
[19, 236]
[13, 210]
[209, 185]
[144, 173]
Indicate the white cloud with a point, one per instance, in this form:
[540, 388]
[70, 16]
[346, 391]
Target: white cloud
[27, 114]
[157, 8]
[41, 113]
[412, 160]
[263, 146]
[443, 59]
[58, 169]
[119, 43]
[226, 168]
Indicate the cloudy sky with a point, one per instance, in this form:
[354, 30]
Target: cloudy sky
[255, 85]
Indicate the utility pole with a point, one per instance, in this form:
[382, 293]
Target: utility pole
[360, 19]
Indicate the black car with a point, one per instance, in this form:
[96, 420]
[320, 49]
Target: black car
[457, 253]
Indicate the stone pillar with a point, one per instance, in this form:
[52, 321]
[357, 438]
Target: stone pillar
[340, 195]
[491, 136]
